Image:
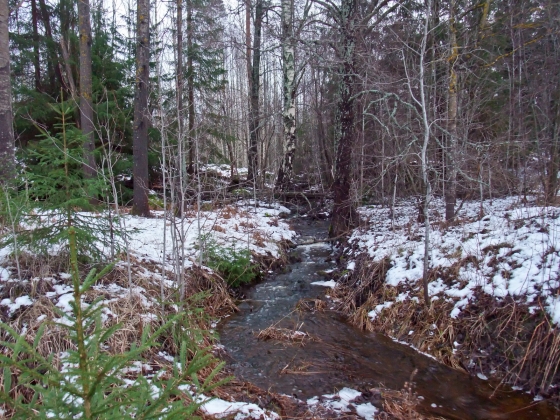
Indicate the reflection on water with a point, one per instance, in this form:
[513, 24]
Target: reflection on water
[341, 355]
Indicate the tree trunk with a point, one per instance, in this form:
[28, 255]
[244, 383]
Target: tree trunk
[343, 215]
[289, 114]
[450, 164]
[53, 66]
[179, 67]
[190, 85]
[69, 85]
[36, 57]
[254, 114]
[140, 133]
[86, 107]
[321, 132]
[553, 165]
[7, 157]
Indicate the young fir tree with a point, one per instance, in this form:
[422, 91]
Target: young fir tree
[57, 195]
[92, 383]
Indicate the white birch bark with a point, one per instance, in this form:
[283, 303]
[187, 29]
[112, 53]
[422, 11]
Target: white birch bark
[289, 89]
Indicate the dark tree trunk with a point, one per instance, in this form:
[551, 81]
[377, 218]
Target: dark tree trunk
[86, 106]
[36, 56]
[141, 120]
[322, 135]
[7, 157]
[180, 65]
[553, 165]
[343, 215]
[53, 66]
[190, 85]
[450, 164]
[254, 114]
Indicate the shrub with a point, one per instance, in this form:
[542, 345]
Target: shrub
[234, 265]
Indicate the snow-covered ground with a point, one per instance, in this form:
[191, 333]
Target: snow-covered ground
[513, 250]
[257, 228]
[244, 226]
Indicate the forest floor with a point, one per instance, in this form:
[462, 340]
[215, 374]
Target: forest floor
[493, 284]
[40, 294]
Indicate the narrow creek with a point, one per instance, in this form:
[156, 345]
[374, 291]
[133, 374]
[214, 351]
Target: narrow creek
[343, 356]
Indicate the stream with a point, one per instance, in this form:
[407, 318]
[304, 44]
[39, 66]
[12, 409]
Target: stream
[343, 356]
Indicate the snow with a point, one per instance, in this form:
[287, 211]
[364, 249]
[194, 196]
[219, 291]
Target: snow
[379, 308]
[328, 283]
[344, 402]
[514, 250]
[17, 303]
[220, 408]
[256, 226]
[246, 226]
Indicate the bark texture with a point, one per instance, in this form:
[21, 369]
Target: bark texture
[343, 216]
[450, 166]
[141, 120]
[289, 90]
[86, 106]
[254, 110]
[7, 157]
[190, 84]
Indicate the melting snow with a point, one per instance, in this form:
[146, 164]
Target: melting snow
[17, 303]
[512, 251]
[344, 402]
[328, 283]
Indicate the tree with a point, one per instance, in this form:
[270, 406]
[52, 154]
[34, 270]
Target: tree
[450, 168]
[254, 86]
[141, 118]
[351, 23]
[6, 120]
[289, 90]
[86, 106]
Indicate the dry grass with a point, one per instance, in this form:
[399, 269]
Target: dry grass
[501, 336]
[218, 300]
[259, 239]
[311, 305]
[33, 266]
[358, 291]
[219, 228]
[285, 335]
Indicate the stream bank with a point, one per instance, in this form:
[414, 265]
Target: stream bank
[330, 354]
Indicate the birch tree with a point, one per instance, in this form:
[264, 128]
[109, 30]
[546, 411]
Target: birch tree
[289, 90]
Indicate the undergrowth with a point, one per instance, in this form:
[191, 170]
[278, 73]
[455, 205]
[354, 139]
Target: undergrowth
[233, 264]
[93, 383]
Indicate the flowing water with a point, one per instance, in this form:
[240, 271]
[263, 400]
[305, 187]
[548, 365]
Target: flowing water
[343, 356]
